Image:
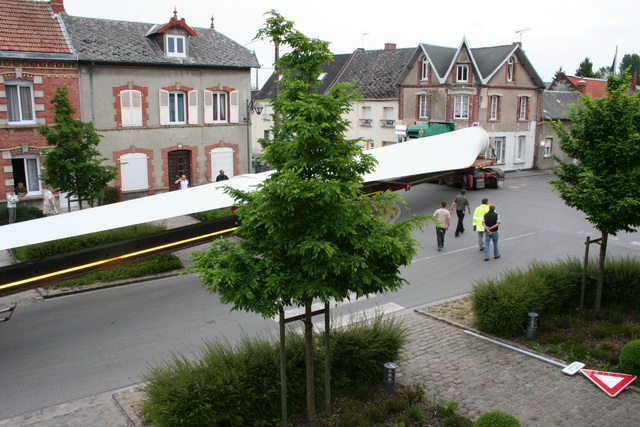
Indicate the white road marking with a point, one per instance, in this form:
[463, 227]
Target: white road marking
[475, 247]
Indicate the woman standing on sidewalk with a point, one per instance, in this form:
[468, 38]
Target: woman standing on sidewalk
[48, 202]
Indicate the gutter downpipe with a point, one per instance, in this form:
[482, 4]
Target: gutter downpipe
[91, 96]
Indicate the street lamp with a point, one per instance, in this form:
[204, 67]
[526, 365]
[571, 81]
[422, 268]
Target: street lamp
[257, 106]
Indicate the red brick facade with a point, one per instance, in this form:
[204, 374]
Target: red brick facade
[22, 139]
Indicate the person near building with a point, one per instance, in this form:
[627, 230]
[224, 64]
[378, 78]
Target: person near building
[460, 203]
[184, 182]
[478, 217]
[49, 202]
[21, 190]
[491, 224]
[12, 199]
[222, 176]
[443, 218]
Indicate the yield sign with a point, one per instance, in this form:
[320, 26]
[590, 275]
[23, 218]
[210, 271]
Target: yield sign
[610, 382]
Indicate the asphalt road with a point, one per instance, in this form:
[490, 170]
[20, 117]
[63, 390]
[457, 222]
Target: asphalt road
[70, 347]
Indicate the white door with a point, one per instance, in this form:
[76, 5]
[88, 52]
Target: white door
[221, 159]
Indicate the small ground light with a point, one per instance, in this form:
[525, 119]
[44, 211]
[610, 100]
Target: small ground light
[532, 325]
[390, 377]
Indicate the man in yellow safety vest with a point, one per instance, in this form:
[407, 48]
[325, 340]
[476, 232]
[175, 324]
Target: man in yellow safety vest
[478, 218]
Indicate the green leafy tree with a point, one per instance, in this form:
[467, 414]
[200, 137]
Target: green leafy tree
[602, 73]
[604, 182]
[559, 72]
[630, 62]
[73, 164]
[585, 69]
[308, 232]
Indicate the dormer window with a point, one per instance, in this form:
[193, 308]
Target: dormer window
[176, 46]
[510, 69]
[462, 73]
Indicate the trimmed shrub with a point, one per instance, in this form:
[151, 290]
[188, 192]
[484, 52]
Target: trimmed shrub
[155, 265]
[501, 308]
[241, 385]
[23, 213]
[213, 214]
[630, 358]
[497, 419]
[55, 247]
[111, 195]
[501, 305]
[359, 352]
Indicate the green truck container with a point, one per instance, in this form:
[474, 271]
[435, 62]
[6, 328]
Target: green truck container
[429, 129]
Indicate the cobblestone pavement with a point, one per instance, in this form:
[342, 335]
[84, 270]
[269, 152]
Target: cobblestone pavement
[449, 363]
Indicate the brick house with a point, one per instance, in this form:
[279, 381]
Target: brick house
[495, 87]
[168, 99]
[35, 59]
[557, 100]
[375, 73]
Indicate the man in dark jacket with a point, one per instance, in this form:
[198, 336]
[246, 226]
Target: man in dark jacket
[491, 223]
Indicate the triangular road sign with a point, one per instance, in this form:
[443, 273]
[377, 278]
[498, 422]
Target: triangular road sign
[610, 382]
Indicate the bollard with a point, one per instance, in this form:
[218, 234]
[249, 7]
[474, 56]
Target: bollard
[532, 325]
[390, 378]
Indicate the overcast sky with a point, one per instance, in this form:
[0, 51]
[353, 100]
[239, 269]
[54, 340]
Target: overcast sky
[554, 33]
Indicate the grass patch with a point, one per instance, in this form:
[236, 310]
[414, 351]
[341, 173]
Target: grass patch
[213, 214]
[155, 265]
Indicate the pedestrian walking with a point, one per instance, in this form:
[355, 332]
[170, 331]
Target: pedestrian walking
[491, 224]
[222, 176]
[460, 203]
[443, 219]
[12, 199]
[478, 217]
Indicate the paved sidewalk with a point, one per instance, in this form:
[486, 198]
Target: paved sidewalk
[448, 362]
[451, 365]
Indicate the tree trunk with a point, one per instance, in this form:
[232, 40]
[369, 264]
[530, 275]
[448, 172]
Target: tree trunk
[601, 258]
[283, 368]
[308, 338]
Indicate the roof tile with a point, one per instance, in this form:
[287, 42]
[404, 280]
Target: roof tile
[30, 26]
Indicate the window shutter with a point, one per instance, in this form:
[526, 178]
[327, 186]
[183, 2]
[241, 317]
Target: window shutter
[136, 108]
[208, 106]
[164, 107]
[125, 107]
[234, 112]
[192, 97]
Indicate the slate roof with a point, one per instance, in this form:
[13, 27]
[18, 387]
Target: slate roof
[332, 69]
[555, 104]
[375, 72]
[123, 42]
[30, 27]
[487, 60]
[440, 57]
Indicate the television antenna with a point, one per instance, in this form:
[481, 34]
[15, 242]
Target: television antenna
[520, 32]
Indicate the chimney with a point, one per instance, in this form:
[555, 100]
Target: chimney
[389, 46]
[582, 86]
[57, 6]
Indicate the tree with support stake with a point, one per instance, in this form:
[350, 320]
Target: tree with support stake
[604, 180]
[74, 164]
[307, 232]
